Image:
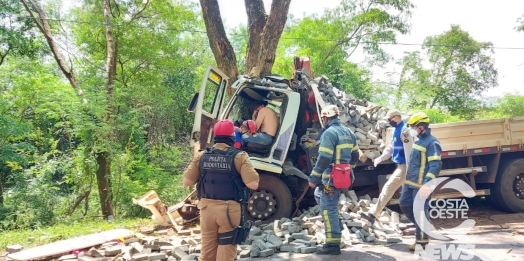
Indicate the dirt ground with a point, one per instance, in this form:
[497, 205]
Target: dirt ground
[496, 236]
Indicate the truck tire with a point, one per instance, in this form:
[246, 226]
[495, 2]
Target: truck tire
[508, 189]
[271, 201]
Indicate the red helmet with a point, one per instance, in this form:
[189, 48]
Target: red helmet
[224, 128]
[251, 126]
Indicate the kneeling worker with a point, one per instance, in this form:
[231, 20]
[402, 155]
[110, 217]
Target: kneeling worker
[224, 175]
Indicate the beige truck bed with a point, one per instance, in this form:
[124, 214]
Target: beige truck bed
[479, 134]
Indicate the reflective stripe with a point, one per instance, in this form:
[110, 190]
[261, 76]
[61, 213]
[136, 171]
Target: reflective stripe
[339, 149]
[326, 176]
[432, 158]
[329, 235]
[418, 147]
[422, 166]
[355, 148]
[430, 175]
[398, 147]
[326, 150]
[421, 227]
[315, 173]
[411, 183]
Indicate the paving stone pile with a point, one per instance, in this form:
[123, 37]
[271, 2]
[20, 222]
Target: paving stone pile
[364, 118]
[301, 234]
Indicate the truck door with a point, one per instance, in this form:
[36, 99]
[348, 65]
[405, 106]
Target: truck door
[207, 104]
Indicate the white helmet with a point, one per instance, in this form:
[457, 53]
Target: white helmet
[329, 111]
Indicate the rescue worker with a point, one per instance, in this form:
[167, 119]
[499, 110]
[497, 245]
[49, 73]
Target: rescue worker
[266, 122]
[396, 152]
[222, 173]
[424, 165]
[338, 144]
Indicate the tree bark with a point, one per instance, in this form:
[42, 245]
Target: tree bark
[104, 166]
[46, 31]
[263, 43]
[218, 41]
[102, 177]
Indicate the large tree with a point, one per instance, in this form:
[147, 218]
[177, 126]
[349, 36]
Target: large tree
[264, 31]
[460, 68]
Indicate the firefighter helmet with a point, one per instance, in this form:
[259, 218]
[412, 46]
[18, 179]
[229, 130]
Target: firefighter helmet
[329, 111]
[418, 118]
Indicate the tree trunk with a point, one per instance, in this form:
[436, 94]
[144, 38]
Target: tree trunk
[102, 177]
[264, 34]
[220, 45]
[1, 192]
[104, 166]
[43, 26]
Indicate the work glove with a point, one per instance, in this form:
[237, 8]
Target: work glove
[378, 160]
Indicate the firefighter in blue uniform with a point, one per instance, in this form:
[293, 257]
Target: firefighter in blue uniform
[224, 175]
[338, 144]
[424, 165]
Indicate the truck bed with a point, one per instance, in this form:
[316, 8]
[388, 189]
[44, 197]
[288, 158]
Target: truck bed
[472, 135]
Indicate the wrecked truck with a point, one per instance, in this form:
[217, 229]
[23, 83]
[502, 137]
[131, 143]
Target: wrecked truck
[487, 155]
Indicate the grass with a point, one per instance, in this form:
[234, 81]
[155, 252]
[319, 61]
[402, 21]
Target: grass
[34, 237]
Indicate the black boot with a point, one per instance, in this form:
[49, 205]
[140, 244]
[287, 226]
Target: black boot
[329, 249]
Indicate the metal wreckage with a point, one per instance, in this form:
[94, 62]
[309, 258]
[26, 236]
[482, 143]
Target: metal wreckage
[485, 154]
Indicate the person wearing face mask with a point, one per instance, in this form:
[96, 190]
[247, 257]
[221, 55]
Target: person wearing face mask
[395, 151]
[424, 165]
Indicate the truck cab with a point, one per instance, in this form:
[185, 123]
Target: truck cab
[282, 165]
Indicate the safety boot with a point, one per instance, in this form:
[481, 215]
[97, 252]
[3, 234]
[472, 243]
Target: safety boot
[329, 249]
[412, 247]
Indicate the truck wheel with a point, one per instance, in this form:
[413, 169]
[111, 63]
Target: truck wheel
[508, 189]
[271, 201]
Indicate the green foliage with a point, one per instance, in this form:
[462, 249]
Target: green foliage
[460, 70]
[331, 39]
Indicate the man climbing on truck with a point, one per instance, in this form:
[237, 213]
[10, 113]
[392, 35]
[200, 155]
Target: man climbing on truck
[396, 152]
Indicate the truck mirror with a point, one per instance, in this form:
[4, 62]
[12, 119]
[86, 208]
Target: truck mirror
[193, 103]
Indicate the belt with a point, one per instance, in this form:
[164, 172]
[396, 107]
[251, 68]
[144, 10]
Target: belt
[268, 135]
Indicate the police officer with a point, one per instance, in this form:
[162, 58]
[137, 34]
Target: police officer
[222, 173]
[337, 145]
[424, 165]
[395, 151]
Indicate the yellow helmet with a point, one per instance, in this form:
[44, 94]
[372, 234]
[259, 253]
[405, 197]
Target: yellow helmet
[418, 118]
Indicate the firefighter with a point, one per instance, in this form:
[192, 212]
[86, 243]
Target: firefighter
[337, 145]
[224, 175]
[424, 165]
[395, 151]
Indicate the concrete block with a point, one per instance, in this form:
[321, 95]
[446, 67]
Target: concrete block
[275, 240]
[139, 257]
[260, 244]
[266, 253]
[308, 250]
[113, 251]
[156, 256]
[370, 239]
[13, 249]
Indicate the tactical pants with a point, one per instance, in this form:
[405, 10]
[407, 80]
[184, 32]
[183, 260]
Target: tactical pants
[392, 185]
[406, 202]
[329, 211]
[213, 220]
